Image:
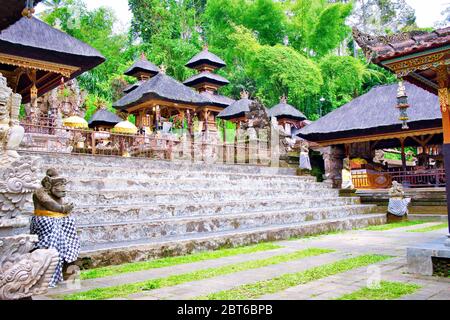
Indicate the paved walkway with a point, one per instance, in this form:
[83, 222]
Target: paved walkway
[349, 244]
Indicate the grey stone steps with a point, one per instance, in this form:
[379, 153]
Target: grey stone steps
[132, 212]
[113, 197]
[144, 249]
[144, 173]
[150, 229]
[52, 159]
[95, 184]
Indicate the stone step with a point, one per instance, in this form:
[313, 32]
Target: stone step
[135, 212]
[93, 184]
[171, 227]
[113, 198]
[144, 173]
[51, 159]
[119, 252]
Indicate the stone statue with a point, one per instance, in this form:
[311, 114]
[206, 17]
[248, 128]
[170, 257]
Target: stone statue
[11, 133]
[305, 162]
[67, 100]
[347, 181]
[22, 274]
[257, 117]
[51, 214]
[398, 204]
[379, 157]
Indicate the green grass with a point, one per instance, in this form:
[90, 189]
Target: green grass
[261, 288]
[396, 225]
[172, 261]
[432, 228]
[386, 291]
[127, 289]
[317, 236]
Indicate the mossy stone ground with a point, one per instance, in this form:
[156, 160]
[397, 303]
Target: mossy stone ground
[261, 265]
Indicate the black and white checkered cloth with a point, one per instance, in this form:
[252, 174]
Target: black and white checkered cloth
[399, 207]
[60, 234]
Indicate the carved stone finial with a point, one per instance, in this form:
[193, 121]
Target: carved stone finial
[143, 56]
[401, 92]
[205, 47]
[283, 99]
[163, 69]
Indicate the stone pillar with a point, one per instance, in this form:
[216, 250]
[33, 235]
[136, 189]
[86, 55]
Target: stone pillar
[22, 274]
[333, 159]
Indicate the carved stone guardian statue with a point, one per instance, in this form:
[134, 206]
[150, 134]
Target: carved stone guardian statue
[53, 224]
[398, 204]
[347, 181]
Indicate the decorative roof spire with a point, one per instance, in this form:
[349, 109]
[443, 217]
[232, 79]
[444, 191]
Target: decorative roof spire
[143, 57]
[163, 69]
[205, 47]
[244, 94]
[402, 105]
[283, 99]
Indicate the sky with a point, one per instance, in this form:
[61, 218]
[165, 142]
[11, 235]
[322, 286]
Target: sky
[427, 11]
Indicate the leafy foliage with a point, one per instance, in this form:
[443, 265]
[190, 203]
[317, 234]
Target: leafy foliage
[294, 47]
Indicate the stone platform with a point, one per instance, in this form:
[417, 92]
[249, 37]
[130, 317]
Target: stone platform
[135, 209]
[420, 257]
[432, 201]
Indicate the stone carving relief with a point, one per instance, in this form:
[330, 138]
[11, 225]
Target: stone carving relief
[22, 274]
[65, 101]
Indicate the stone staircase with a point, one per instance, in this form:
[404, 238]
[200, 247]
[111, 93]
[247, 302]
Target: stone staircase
[136, 209]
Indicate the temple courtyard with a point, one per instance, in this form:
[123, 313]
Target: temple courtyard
[325, 267]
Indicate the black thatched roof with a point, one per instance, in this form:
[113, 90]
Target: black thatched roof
[11, 11]
[162, 87]
[236, 110]
[104, 117]
[375, 112]
[144, 66]
[34, 39]
[206, 77]
[284, 110]
[206, 57]
[218, 100]
[132, 87]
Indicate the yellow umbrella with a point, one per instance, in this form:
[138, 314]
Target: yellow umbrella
[125, 127]
[75, 122]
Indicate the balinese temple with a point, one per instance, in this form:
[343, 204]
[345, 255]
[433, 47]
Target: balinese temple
[156, 97]
[207, 83]
[236, 112]
[35, 57]
[367, 127]
[104, 120]
[289, 117]
[159, 97]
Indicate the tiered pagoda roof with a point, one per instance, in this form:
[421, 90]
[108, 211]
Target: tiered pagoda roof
[164, 88]
[207, 82]
[206, 77]
[285, 110]
[237, 109]
[206, 59]
[142, 69]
